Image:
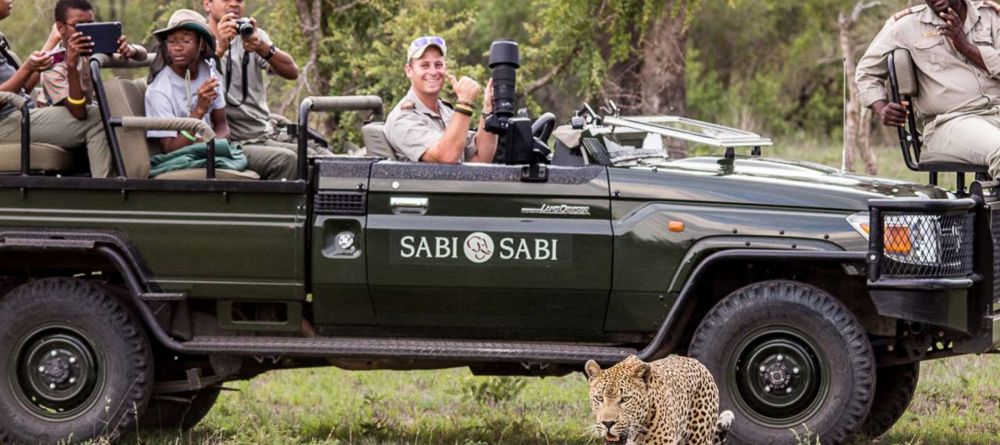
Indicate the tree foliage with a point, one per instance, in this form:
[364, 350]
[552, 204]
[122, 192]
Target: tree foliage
[770, 65]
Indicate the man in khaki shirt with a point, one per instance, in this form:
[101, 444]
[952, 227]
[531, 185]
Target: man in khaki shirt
[424, 128]
[953, 44]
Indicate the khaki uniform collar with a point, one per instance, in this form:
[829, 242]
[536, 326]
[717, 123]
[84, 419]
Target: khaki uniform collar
[419, 106]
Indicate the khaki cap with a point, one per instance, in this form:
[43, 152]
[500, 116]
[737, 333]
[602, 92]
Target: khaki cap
[420, 44]
[189, 20]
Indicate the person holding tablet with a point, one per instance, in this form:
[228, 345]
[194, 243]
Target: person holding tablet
[53, 125]
[68, 83]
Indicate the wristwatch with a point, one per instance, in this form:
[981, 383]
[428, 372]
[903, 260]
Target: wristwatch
[271, 52]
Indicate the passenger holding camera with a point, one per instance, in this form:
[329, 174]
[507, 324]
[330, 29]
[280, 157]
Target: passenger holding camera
[424, 128]
[246, 51]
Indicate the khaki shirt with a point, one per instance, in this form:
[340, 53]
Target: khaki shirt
[949, 83]
[412, 128]
[249, 121]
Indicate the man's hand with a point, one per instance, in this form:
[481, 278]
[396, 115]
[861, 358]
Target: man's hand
[465, 88]
[253, 43]
[225, 32]
[207, 94]
[125, 49]
[954, 31]
[488, 98]
[891, 114]
[78, 45]
[38, 62]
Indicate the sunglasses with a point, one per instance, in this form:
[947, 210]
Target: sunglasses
[427, 40]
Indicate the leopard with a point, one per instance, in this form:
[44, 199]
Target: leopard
[670, 401]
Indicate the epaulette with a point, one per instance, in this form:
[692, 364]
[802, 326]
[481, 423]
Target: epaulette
[908, 11]
[991, 5]
[408, 106]
[449, 104]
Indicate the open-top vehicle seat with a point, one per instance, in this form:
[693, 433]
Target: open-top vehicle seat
[44, 157]
[903, 85]
[373, 135]
[127, 98]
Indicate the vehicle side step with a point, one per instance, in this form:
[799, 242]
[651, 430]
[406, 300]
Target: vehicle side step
[468, 350]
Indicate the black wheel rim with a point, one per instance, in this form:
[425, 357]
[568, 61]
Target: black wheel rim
[778, 378]
[56, 373]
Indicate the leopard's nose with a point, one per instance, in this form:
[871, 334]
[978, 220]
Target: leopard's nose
[608, 424]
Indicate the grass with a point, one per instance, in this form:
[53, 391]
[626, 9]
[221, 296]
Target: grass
[957, 400]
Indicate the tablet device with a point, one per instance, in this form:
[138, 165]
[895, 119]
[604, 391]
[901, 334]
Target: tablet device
[105, 35]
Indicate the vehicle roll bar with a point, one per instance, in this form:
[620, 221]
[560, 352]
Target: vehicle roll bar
[329, 104]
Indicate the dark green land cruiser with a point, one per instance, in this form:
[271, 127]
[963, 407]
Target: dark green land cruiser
[812, 295]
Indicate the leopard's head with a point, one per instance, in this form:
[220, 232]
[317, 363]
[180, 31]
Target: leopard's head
[620, 400]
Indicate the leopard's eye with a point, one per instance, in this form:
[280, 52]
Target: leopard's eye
[626, 399]
[599, 399]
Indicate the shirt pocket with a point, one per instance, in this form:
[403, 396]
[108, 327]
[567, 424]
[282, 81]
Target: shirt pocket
[931, 50]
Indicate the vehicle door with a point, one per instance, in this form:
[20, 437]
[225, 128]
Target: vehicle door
[474, 246]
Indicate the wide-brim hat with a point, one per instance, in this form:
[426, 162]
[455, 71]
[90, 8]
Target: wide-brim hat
[189, 20]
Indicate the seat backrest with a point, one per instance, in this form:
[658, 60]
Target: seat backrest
[127, 98]
[375, 141]
[906, 72]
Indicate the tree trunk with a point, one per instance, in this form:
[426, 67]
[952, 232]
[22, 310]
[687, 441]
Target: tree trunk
[857, 125]
[652, 80]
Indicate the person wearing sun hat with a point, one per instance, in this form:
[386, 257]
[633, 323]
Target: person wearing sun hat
[184, 83]
[424, 128]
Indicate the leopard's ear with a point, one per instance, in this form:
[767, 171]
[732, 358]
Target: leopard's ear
[593, 369]
[643, 371]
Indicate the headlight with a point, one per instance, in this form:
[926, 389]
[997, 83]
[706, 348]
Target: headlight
[911, 238]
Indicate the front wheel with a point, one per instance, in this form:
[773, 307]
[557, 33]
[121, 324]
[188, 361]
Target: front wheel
[791, 361]
[75, 365]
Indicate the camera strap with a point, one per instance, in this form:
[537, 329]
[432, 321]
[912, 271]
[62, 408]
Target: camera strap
[229, 76]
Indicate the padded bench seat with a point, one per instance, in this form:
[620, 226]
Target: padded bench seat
[44, 157]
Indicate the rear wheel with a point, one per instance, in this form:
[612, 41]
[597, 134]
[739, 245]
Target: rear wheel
[894, 389]
[74, 363]
[787, 357]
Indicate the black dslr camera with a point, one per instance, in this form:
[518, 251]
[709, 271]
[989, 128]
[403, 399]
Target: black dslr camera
[517, 144]
[244, 27]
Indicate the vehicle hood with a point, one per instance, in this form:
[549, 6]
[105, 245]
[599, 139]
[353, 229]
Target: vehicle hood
[760, 181]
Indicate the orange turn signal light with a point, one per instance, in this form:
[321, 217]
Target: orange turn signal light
[897, 240]
[675, 226]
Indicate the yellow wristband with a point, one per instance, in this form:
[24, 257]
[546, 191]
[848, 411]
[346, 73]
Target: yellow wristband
[76, 101]
[461, 109]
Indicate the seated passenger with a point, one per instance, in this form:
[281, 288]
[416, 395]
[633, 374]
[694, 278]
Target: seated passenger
[424, 128]
[245, 60]
[68, 84]
[958, 70]
[53, 125]
[184, 83]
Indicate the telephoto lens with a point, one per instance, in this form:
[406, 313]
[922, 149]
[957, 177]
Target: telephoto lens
[244, 27]
[504, 61]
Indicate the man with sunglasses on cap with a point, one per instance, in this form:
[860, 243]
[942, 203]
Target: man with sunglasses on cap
[424, 128]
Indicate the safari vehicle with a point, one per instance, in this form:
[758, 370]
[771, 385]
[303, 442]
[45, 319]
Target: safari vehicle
[812, 295]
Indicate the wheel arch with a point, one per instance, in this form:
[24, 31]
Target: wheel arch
[715, 276]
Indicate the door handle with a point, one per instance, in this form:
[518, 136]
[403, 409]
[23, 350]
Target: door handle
[408, 206]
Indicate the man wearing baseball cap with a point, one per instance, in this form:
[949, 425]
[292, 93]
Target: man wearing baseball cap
[424, 128]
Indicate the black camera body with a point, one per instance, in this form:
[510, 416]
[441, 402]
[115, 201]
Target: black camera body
[244, 27]
[517, 144]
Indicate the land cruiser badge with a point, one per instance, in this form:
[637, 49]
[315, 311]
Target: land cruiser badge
[559, 209]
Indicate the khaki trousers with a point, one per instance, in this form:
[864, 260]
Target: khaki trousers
[274, 159]
[968, 139]
[56, 126]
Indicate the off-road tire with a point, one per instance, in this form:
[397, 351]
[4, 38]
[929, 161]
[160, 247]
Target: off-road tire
[894, 389]
[767, 325]
[68, 344]
[181, 411]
